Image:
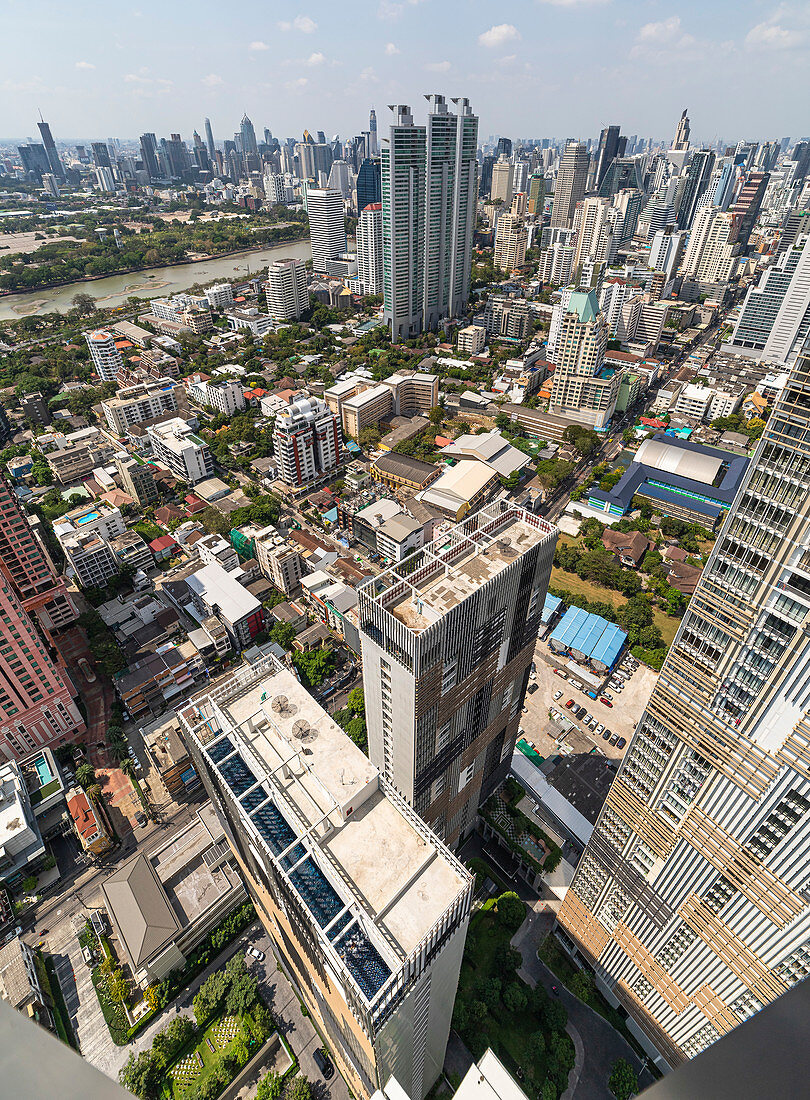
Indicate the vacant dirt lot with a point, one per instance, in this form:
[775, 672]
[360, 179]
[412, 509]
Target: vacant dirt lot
[12, 243]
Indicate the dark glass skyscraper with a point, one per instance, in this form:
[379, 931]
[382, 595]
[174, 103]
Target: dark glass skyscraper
[54, 161]
[369, 188]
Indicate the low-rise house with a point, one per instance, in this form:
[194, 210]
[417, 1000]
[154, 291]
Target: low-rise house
[164, 547]
[629, 547]
[88, 820]
[20, 985]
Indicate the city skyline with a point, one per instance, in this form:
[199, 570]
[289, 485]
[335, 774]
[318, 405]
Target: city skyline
[304, 64]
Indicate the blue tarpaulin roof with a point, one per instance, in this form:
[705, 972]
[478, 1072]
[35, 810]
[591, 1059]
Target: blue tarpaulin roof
[550, 606]
[591, 635]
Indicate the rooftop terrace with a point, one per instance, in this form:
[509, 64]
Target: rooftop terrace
[375, 881]
[428, 583]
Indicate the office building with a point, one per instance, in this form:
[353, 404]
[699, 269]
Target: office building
[26, 563]
[511, 238]
[149, 156]
[135, 404]
[666, 251]
[36, 698]
[690, 901]
[710, 256]
[364, 905]
[775, 318]
[682, 133]
[286, 289]
[626, 208]
[448, 636]
[368, 185]
[209, 140]
[537, 193]
[101, 155]
[105, 355]
[137, 479]
[696, 181]
[308, 442]
[581, 387]
[593, 232]
[570, 185]
[56, 166]
[745, 210]
[607, 151]
[327, 226]
[186, 455]
[370, 249]
[429, 188]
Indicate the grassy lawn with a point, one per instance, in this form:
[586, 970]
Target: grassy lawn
[578, 587]
[667, 624]
[511, 1034]
[185, 1074]
[44, 792]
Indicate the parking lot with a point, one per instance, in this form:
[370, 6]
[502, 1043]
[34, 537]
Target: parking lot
[620, 718]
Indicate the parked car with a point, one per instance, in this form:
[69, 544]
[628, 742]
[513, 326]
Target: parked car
[532, 688]
[580, 713]
[559, 672]
[606, 695]
[614, 739]
[587, 719]
[556, 695]
[569, 704]
[607, 735]
[324, 1063]
[576, 684]
[621, 743]
[605, 701]
[599, 728]
[255, 953]
[591, 694]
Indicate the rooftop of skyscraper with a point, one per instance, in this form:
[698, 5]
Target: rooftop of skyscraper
[431, 581]
[372, 876]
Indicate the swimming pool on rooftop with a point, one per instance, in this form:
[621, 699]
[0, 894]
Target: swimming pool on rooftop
[87, 518]
[43, 770]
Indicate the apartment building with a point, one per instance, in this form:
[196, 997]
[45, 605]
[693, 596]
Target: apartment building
[215, 549]
[100, 518]
[308, 443]
[215, 591]
[135, 404]
[690, 902]
[89, 558]
[137, 479]
[186, 455]
[75, 458]
[472, 339]
[710, 255]
[509, 318]
[131, 551]
[192, 311]
[105, 355]
[278, 561]
[511, 240]
[447, 637]
[370, 249]
[226, 396]
[582, 388]
[220, 296]
[286, 289]
[365, 906]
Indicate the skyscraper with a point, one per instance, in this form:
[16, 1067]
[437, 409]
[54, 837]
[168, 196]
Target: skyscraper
[745, 210]
[682, 133]
[249, 147]
[370, 249]
[327, 226]
[698, 176]
[502, 182]
[607, 151]
[101, 154]
[372, 129]
[369, 185]
[690, 901]
[209, 139]
[365, 906]
[308, 441]
[429, 189]
[537, 192]
[570, 186]
[511, 238]
[54, 159]
[774, 321]
[448, 636]
[149, 156]
[105, 355]
[34, 159]
[710, 257]
[580, 388]
[286, 291]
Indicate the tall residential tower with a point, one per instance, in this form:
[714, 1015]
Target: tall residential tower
[691, 900]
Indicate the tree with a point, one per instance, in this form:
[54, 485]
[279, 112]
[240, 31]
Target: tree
[489, 991]
[554, 1015]
[270, 1087]
[435, 415]
[357, 701]
[549, 1091]
[119, 986]
[84, 304]
[514, 997]
[511, 911]
[93, 792]
[85, 775]
[583, 986]
[141, 1076]
[298, 1089]
[243, 990]
[210, 996]
[507, 959]
[623, 1082]
[537, 1046]
[283, 634]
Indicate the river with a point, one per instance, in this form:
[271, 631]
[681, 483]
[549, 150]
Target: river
[157, 282]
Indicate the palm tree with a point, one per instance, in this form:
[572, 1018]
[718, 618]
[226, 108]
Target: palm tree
[127, 767]
[85, 775]
[93, 792]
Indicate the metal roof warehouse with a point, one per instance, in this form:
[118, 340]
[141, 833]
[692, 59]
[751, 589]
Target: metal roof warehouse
[588, 638]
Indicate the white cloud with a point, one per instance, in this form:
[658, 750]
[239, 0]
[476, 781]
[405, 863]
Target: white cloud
[301, 23]
[84, 65]
[663, 40]
[296, 85]
[257, 46]
[390, 9]
[391, 49]
[498, 35]
[368, 76]
[316, 59]
[785, 29]
[212, 80]
[437, 66]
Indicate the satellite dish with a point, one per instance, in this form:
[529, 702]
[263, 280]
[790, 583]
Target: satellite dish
[282, 705]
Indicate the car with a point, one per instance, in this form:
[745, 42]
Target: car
[614, 739]
[556, 695]
[559, 672]
[532, 689]
[606, 734]
[142, 819]
[580, 713]
[532, 675]
[606, 695]
[525, 710]
[598, 728]
[605, 701]
[324, 1063]
[587, 718]
[255, 953]
[569, 704]
[621, 743]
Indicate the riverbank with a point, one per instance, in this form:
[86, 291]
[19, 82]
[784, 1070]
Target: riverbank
[6, 294]
[150, 282]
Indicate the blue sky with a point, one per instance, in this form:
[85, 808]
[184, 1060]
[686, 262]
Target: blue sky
[550, 68]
